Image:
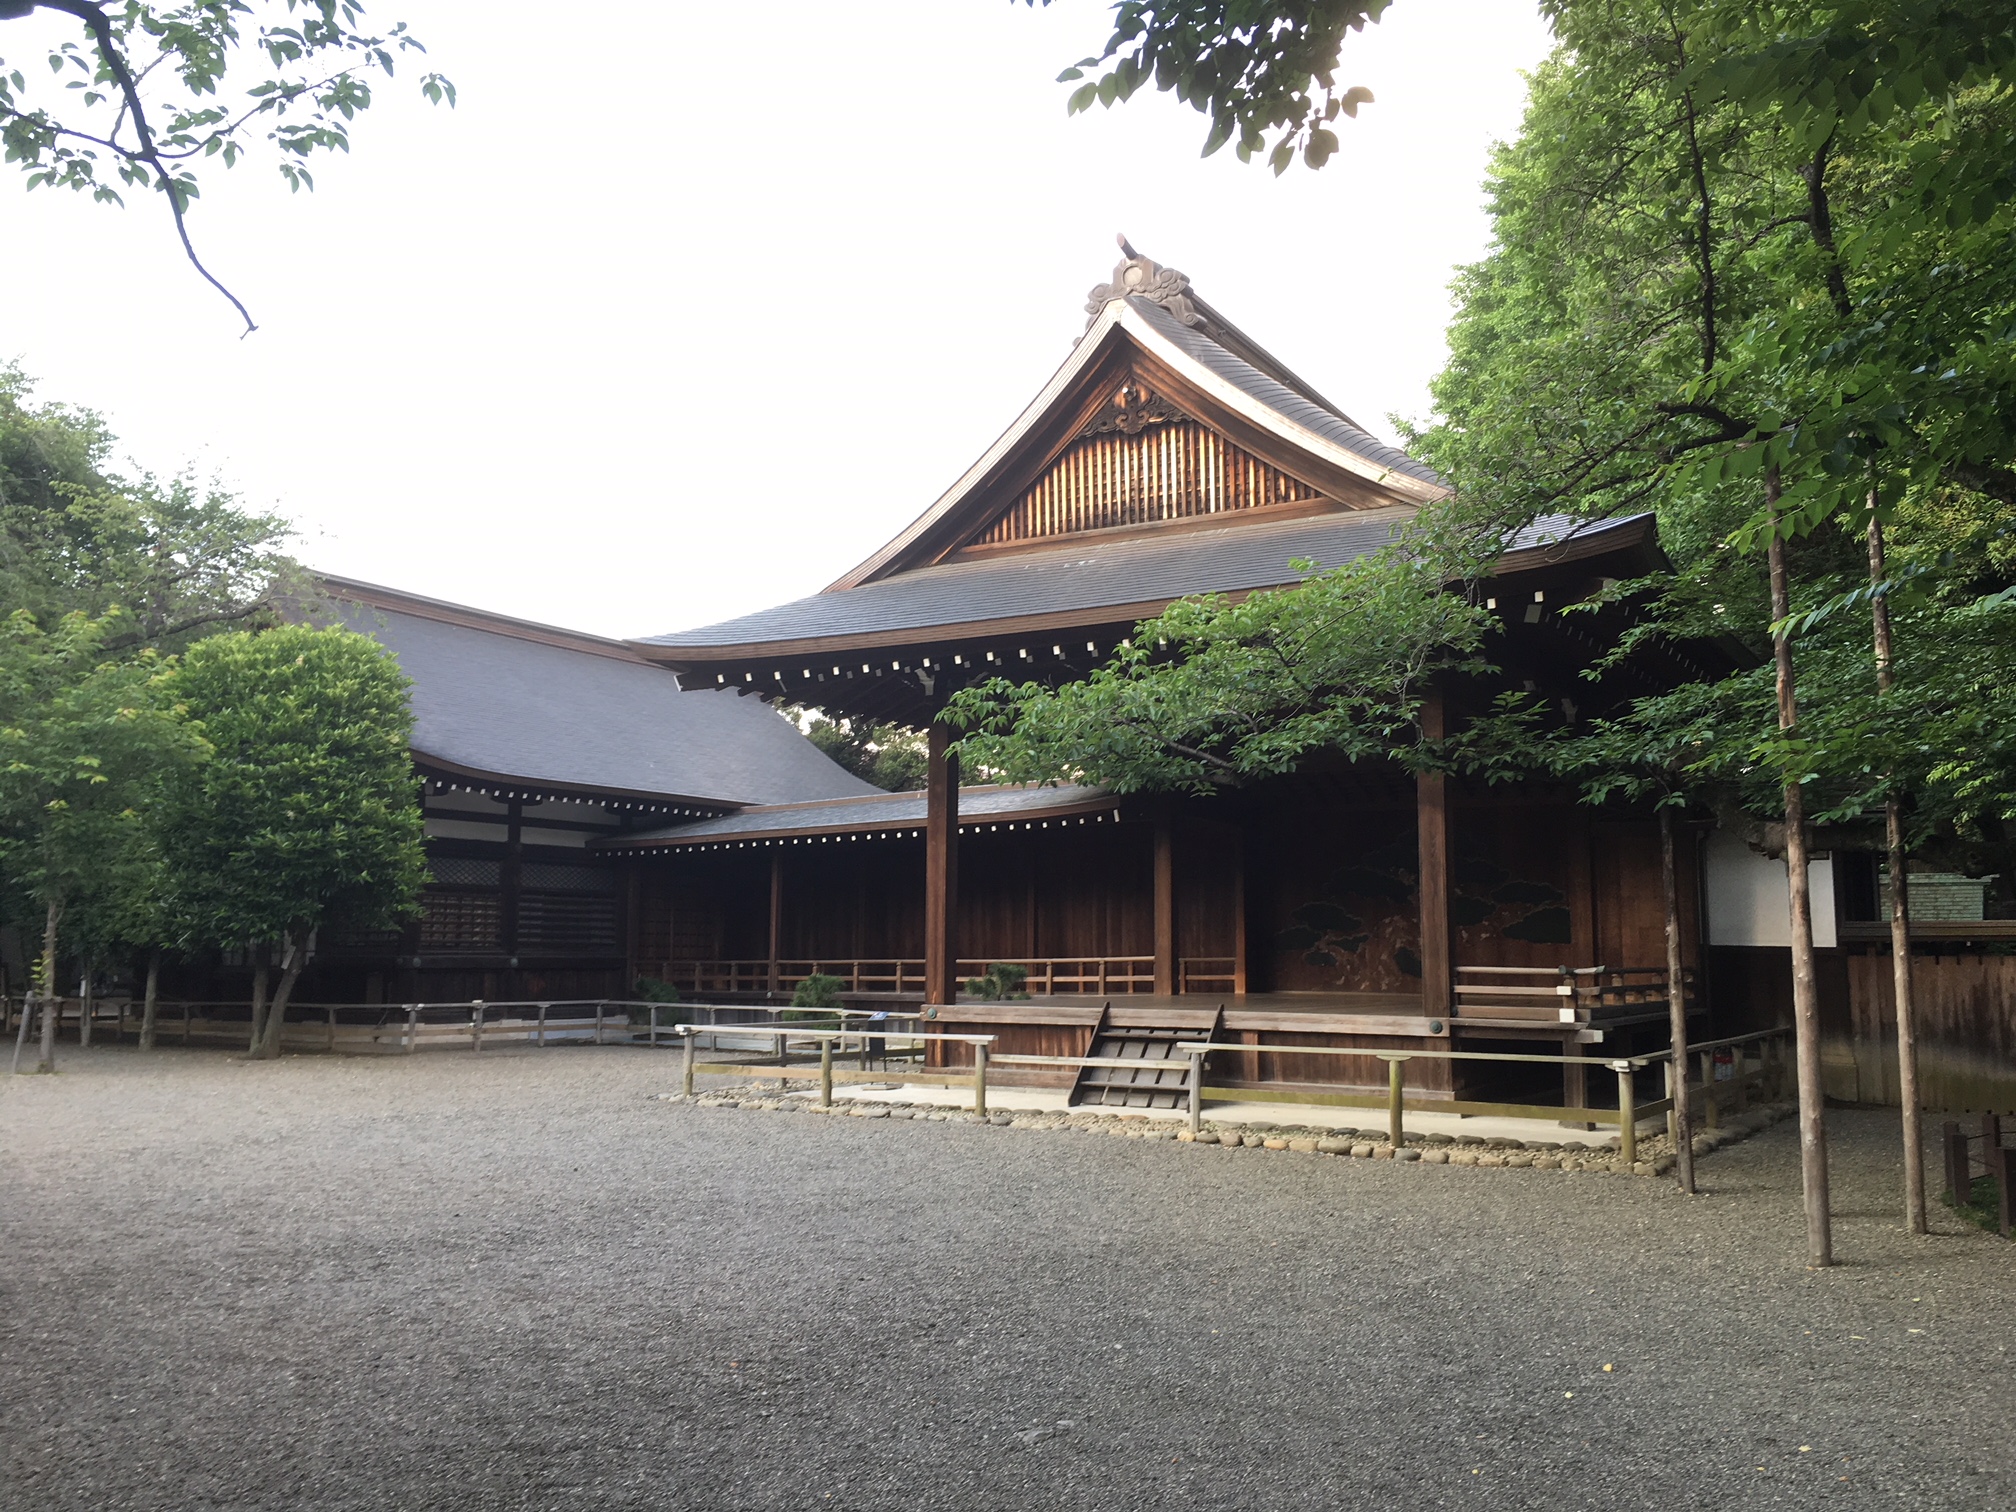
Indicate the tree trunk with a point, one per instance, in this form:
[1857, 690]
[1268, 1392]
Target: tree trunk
[152, 1001]
[52, 1003]
[1900, 916]
[259, 972]
[1676, 1001]
[1805, 988]
[291, 962]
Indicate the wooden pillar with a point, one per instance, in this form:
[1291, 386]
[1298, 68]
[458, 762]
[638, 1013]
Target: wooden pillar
[510, 876]
[776, 918]
[1165, 909]
[1239, 915]
[1431, 805]
[941, 867]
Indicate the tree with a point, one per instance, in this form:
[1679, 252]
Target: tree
[1215, 693]
[85, 743]
[890, 756]
[147, 93]
[1252, 68]
[307, 813]
[160, 563]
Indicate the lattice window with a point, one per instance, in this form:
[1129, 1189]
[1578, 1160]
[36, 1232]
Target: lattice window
[557, 877]
[581, 924]
[462, 871]
[1141, 461]
[461, 921]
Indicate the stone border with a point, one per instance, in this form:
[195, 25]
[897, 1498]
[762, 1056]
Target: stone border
[1655, 1152]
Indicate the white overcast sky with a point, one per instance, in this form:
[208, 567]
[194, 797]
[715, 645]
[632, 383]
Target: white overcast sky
[683, 312]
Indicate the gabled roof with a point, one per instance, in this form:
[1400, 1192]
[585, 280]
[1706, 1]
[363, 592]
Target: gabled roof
[1149, 314]
[508, 700]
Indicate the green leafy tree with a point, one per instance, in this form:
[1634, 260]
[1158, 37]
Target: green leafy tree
[145, 95]
[160, 563]
[1216, 693]
[1252, 68]
[85, 744]
[890, 756]
[307, 814]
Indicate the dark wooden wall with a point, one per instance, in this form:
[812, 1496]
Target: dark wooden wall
[1534, 883]
[1965, 1013]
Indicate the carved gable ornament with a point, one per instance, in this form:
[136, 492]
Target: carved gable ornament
[1131, 409]
[1147, 279]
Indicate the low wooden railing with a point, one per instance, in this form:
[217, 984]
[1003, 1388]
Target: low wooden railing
[1772, 1075]
[1565, 994]
[1048, 975]
[1996, 1160]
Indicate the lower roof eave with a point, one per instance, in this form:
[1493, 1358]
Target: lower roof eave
[801, 821]
[455, 771]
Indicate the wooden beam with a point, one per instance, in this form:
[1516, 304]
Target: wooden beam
[941, 867]
[1431, 807]
[776, 919]
[1165, 908]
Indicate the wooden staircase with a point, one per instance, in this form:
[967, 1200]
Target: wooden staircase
[1149, 1036]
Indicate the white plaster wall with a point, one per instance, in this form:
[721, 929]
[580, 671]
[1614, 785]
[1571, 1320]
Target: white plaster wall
[1750, 898]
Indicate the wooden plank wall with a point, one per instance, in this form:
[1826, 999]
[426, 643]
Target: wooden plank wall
[1965, 1007]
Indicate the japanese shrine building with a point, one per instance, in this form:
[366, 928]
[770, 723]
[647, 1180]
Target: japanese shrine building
[603, 811]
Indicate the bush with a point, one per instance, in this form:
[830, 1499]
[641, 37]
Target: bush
[818, 991]
[1001, 982]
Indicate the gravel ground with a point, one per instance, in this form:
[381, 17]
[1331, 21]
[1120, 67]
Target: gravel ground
[521, 1280]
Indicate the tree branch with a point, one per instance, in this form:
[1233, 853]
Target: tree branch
[100, 26]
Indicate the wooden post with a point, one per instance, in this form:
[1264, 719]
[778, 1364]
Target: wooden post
[476, 1025]
[1165, 909]
[1431, 808]
[1239, 914]
[2002, 1166]
[775, 980]
[1681, 1119]
[412, 1026]
[1395, 1081]
[332, 1028]
[1196, 1091]
[598, 1023]
[1574, 1079]
[1954, 1145]
[1805, 981]
[941, 868]
[1711, 1112]
[1627, 1112]
[686, 1067]
[979, 1081]
[826, 1071]
[542, 1026]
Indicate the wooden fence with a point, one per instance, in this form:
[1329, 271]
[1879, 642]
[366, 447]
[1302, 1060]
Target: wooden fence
[1965, 1013]
[1768, 1076]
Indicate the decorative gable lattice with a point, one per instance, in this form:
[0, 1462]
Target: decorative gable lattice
[1141, 460]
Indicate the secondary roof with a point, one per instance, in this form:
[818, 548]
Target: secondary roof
[507, 700]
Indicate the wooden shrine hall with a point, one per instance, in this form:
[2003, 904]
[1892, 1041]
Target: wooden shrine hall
[1345, 905]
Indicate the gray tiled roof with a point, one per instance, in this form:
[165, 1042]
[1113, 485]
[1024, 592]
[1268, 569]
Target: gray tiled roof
[500, 704]
[977, 806]
[1278, 396]
[1115, 571]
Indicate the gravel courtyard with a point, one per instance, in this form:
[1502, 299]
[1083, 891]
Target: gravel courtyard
[520, 1280]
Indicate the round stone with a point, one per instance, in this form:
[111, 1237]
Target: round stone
[1334, 1145]
[1406, 1154]
[1361, 1151]
[1491, 1158]
[1463, 1157]
[1435, 1157]
[1303, 1146]
[1274, 1142]
[1547, 1162]
[1519, 1158]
